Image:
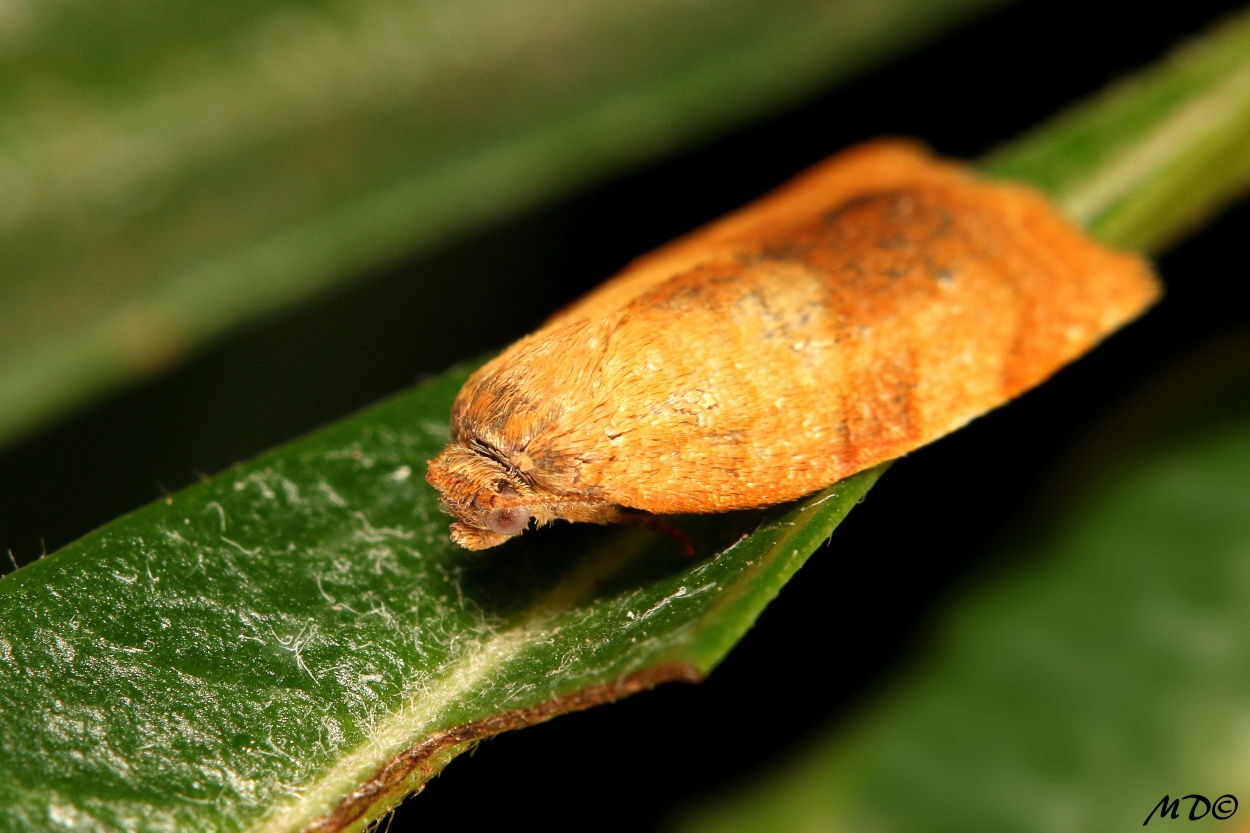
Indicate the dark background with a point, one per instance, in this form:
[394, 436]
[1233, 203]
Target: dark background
[864, 603]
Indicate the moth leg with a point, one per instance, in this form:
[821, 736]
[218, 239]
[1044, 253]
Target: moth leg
[658, 524]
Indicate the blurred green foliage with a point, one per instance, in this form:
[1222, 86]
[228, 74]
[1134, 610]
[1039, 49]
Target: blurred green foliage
[249, 651]
[1157, 154]
[170, 169]
[1076, 692]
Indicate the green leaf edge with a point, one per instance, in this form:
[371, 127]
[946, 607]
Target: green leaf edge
[811, 522]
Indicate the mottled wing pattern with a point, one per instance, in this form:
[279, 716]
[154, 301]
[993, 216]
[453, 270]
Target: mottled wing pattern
[867, 308]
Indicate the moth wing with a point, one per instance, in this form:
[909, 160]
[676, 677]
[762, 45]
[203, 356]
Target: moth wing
[868, 308]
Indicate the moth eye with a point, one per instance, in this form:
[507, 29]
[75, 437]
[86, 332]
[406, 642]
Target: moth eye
[507, 521]
[503, 487]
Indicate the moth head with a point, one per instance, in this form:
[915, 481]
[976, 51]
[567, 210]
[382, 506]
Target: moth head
[488, 497]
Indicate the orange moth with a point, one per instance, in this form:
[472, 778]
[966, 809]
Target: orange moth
[874, 303]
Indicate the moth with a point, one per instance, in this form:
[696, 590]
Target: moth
[874, 303]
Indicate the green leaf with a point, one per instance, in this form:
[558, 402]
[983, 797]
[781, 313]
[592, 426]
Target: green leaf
[248, 652]
[1155, 155]
[172, 169]
[1076, 693]
[296, 637]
